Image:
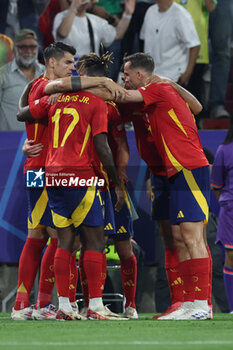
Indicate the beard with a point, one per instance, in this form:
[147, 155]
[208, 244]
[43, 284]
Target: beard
[26, 60]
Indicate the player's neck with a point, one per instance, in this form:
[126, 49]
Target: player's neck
[49, 73]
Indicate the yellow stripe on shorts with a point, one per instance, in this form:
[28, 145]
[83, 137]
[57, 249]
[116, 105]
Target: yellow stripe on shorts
[195, 189]
[79, 213]
[84, 206]
[38, 210]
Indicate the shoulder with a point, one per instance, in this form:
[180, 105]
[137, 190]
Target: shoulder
[152, 9]
[8, 67]
[96, 19]
[180, 12]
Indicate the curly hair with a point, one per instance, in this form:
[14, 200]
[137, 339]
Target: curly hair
[93, 65]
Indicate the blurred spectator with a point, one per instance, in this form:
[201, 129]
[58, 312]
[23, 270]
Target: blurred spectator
[216, 251]
[86, 31]
[110, 10]
[47, 17]
[171, 39]
[131, 42]
[221, 27]
[199, 11]
[107, 8]
[18, 14]
[15, 75]
[7, 54]
[222, 183]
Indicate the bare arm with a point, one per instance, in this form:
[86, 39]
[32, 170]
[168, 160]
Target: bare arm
[193, 54]
[23, 113]
[132, 96]
[76, 83]
[192, 101]
[123, 24]
[67, 22]
[105, 155]
[122, 157]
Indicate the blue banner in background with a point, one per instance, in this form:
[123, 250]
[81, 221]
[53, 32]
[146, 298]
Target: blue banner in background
[13, 203]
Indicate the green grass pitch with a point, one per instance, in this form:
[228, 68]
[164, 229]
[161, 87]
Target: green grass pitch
[111, 335]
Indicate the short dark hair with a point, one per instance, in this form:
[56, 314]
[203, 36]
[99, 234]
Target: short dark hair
[57, 50]
[140, 60]
[93, 65]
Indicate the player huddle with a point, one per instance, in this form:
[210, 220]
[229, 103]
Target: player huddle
[81, 134]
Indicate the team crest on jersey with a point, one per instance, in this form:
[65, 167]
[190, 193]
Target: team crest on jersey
[35, 178]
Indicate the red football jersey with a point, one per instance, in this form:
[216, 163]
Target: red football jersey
[115, 129]
[134, 112]
[37, 131]
[73, 122]
[173, 128]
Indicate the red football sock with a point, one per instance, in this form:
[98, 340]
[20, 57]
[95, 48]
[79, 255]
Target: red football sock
[129, 279]
[104, 271]
[185, 268]
[62, 261]
[92, 262]
[47, 276]
[73, 279]
[210, 276]
[200, 268]
[83, 280]
[173, 275]
[28, 267]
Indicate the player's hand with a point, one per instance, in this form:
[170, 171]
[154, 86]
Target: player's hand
[53, 98]
[76, 4]
[184, 79]
[30, 149]
[117, 91]
[123, 176]
[120, 198]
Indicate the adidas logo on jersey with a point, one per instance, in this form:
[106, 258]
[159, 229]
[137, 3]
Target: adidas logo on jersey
[121, 230]
[108, 226]
[180, 214]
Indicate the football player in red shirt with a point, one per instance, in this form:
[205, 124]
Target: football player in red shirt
[177, 141]
[92, 65]
[59, 62]
[59, 59]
